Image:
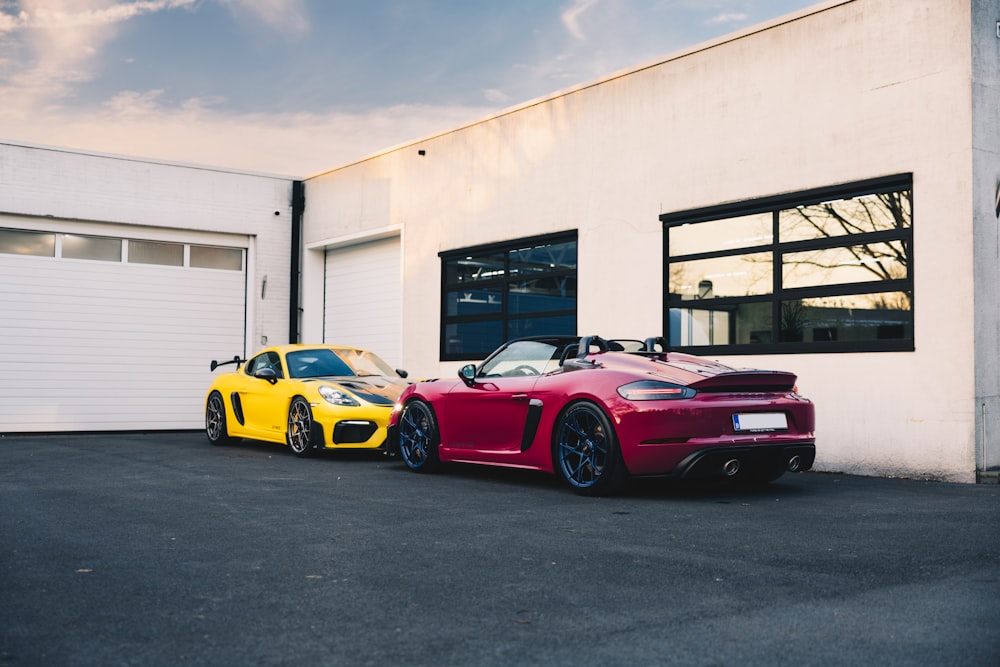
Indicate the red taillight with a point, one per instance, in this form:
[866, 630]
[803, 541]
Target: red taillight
[654, 390]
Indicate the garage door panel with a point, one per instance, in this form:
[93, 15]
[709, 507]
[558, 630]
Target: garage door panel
[112, 346]
[363, 300]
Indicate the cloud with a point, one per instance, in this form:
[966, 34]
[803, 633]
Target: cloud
[72, 14]
[730, 17]
[571, 17]
[283, 16]
[136, 124]
[50, 47]
[495, 96]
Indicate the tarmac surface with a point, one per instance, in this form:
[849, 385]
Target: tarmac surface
[159, 549]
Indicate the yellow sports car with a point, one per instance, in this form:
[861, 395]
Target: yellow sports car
[309, 397]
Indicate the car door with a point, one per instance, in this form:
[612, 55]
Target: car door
[265, 403]
[487, 416]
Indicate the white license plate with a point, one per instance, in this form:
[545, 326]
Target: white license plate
[759, 421]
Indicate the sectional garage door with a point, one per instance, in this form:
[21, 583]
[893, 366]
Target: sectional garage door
[363, 302]
[114, 343]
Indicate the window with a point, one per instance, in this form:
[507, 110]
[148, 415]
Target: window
[18, 242]
[265, 360]
[213, 257]
[825, 270]
[154, 252]
[91, 247]
[495, 293]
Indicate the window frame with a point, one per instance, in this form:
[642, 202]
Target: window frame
[501, 284]
[778, 294]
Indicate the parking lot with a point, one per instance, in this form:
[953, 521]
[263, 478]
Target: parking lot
[159, 549]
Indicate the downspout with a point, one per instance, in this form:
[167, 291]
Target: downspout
[295, 291]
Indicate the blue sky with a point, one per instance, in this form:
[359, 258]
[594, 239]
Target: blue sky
[296, 87]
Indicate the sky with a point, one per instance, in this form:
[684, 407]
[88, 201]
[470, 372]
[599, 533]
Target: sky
[299, 87]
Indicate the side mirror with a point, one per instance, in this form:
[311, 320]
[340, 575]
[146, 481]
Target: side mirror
[401, 373]
[468, 374]
[266, 374]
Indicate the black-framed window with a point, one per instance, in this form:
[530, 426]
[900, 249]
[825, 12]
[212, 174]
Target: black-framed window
[825, 270]
[494, 293]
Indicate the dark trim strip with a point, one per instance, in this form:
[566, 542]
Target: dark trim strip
[295, 296]
[531, 423]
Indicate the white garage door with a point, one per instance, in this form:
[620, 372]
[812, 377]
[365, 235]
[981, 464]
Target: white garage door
[363, 304]
[113, 343]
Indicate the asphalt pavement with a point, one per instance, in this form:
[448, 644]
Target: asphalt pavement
[160, 549]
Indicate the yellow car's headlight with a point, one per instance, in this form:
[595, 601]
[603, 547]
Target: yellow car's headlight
[336, 396]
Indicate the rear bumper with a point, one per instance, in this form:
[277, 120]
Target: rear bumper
[757, 461]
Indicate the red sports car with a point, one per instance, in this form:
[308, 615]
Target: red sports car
[595, 411]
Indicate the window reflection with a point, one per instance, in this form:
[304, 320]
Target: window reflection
[511, 290]
[542, 294]
[474, 302]
[724, 290]
[844, 265]
[476, 268]
[733, 275]
[858, 215]
[543, 258]
[743, 232]
[855, 317]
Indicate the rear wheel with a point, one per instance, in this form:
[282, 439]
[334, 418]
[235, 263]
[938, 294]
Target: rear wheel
[215, 421]
[586, 452]
[300, 427]
[418, 437]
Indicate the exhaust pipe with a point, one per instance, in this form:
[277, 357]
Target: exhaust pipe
[794, 463]
[731, 467]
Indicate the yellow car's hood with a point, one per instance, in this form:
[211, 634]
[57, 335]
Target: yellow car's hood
[374, 389]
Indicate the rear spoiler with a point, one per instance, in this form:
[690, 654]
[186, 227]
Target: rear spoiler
[235, 360]
[747, 381]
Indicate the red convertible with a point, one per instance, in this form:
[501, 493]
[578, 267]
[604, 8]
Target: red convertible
[596, 411]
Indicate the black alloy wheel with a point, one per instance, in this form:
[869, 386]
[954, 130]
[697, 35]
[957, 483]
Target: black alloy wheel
[586, 452]
[418, 437]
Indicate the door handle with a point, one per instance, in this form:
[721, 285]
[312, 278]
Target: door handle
[519, 398]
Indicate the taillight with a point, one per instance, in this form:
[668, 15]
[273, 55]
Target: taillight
[654, 390]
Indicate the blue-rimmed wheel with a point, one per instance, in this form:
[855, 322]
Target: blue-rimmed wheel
[300, 427]
[215, 421]
[418, 437]
[586, 452]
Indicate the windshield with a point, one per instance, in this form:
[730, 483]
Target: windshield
[321, 362]
[366, 363]
[528, 357]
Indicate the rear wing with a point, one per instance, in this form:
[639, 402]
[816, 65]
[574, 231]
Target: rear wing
[768, 381]
[235, 360]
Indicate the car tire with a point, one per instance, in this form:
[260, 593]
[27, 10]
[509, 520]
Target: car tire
[300, 434]
[418, 437]
[585, 451]
[215, 420]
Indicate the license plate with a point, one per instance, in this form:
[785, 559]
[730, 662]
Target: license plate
[759, 421]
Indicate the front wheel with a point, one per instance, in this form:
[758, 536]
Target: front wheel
[586, 451]
[215, 421]
[418, 437]
[300, 427]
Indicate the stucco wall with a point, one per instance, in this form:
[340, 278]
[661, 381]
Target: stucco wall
[842, 92]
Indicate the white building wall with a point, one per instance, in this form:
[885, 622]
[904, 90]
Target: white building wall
[985, 202]
[845, 91]
[43, 182]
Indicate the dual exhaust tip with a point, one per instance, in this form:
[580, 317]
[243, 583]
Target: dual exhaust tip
[732, 466]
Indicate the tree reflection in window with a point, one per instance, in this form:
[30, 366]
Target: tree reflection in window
[832, 272]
